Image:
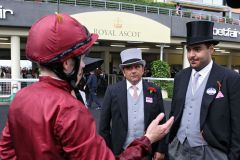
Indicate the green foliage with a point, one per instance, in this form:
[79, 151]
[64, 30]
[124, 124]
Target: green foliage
[161, 69]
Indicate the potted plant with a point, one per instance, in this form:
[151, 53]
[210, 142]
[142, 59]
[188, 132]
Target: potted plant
[161, 69]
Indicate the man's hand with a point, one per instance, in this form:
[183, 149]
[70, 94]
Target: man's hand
[155, 132]
[159, 156]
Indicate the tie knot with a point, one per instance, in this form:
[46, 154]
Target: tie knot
[134, 87]
[197, 75]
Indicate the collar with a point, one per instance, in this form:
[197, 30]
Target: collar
[204, 72]
[139, 85]
[55, 82]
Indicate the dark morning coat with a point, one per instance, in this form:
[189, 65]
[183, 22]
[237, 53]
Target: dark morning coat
[219, 117]
[115, 111]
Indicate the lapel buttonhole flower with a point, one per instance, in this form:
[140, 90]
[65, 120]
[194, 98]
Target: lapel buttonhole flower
[152, 90]
[219, 86]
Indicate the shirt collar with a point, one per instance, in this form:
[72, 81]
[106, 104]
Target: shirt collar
[203, 72]
[138, 85]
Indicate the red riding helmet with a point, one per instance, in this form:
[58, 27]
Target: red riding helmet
[57, 37]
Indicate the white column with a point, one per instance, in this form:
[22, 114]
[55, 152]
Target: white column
[161, 52]
[15, 57]
[185, 60]
[106, 57]
[229, 65]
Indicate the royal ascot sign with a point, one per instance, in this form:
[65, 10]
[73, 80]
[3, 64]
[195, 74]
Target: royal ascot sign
[117, 33]
[226, 32]
[117, 30]
[5, 12]
[122, 26]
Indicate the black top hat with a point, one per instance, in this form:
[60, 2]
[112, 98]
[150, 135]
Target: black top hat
[92, 63]
[233, 3]
[200, 32]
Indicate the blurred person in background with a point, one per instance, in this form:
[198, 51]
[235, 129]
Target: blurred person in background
[92, 84]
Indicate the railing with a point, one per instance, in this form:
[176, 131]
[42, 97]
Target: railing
[122, 6]
[113, 78]
[9, 87]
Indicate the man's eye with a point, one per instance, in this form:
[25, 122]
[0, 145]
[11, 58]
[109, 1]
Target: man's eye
[127, 67]
[137, 66]
[197, 49]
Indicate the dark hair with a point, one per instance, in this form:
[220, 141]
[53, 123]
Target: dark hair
[208, 44]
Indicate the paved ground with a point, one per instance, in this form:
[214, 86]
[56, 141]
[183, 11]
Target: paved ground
[95, 113]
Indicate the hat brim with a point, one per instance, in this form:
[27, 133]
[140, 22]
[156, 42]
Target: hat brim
[214, 42]
[92, 63]
[142, 62]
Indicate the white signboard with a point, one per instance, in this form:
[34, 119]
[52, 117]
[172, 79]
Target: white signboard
[113, 25]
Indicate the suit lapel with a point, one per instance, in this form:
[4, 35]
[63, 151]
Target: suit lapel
[208, 98]
[146, 105]
[183, 84]
[122, 100]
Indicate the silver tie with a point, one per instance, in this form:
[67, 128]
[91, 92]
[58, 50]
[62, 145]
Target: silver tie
[195, 82]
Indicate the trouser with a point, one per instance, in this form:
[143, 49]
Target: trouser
[93, 98]
[178, 151]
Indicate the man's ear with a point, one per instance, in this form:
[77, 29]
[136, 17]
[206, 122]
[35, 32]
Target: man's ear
[123, 72]
[68, 65]
[65, 65]
[211, 48]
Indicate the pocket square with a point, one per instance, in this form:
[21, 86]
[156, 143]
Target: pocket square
[219, 95]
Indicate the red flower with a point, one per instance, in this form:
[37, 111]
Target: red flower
[152, 90]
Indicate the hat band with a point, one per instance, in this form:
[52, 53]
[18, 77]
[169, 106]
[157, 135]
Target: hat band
[68, 51]
[131, 60]
[199, 39]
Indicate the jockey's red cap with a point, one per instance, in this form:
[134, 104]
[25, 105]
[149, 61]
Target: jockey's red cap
[57, 37]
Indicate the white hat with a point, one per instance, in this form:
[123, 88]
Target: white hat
[131, 56]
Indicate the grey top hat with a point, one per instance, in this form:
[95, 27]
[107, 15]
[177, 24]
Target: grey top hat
[131, 56]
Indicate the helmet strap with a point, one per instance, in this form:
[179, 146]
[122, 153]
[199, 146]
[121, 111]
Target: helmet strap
[57, 68]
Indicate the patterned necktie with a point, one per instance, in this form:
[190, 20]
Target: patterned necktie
[135, 94]
[195, 82]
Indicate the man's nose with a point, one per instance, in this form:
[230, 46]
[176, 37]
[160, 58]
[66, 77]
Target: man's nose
[191, 53]
[133, 68]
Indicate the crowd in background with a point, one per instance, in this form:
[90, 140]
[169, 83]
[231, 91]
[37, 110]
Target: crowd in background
[5, 72]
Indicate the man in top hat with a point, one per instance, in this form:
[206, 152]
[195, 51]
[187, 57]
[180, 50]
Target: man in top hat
[130, 105]
[205, 103]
